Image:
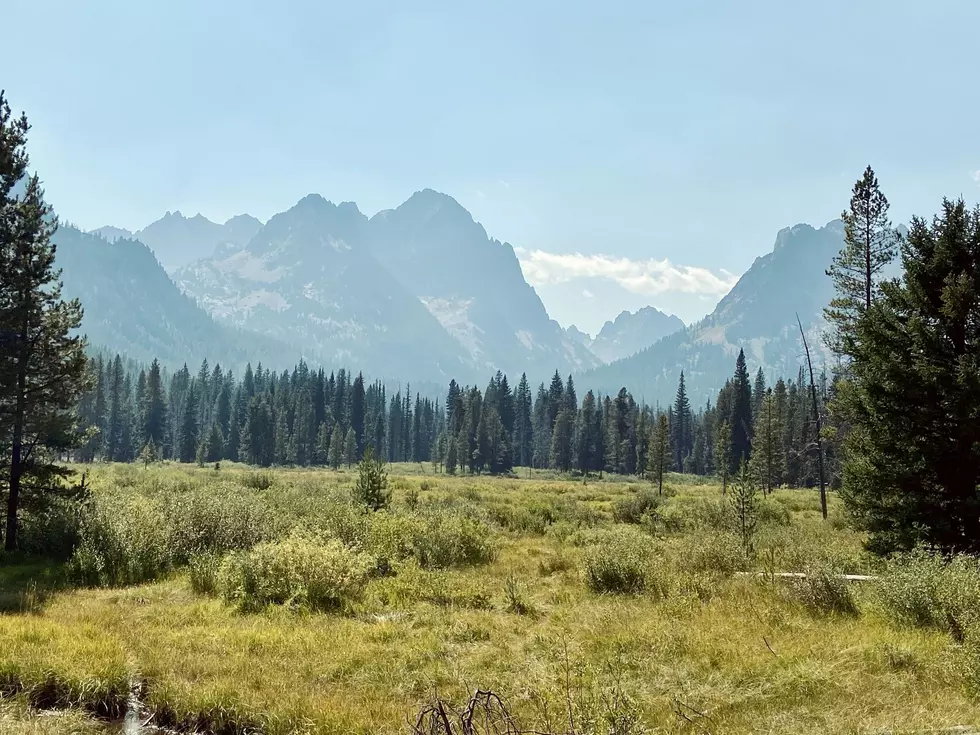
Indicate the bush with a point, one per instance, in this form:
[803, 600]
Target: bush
[618, 564]
[636, 508]
[555, 563]
[823, 591]
[721, 553]
[129, 543]
[927, 591]
[771, 512]
[206, 521]
[205, 571]
[52, 531]
[258, 480]
[452, 539]
[300, 571]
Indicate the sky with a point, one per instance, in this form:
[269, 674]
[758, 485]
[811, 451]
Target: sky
[633, 153]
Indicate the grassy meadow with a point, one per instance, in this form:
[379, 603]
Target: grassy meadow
[235, 600]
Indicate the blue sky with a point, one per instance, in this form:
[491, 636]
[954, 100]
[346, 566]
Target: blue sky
[640, 132]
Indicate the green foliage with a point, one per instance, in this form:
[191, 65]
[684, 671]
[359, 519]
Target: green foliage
[261, 480]
[371, 489]
[928, 591]
[637, 508]
[824, 591]
[720, 553]
[870, 244]
[122, 543]
[43, 371]
[619, 563]
[300, 572]
[911, 469]
[745, 509]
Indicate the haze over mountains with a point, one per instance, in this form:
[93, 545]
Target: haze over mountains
[420, 292]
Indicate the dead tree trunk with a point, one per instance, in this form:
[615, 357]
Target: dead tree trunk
[816, 416]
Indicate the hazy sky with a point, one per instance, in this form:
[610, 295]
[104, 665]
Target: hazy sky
[600, 139]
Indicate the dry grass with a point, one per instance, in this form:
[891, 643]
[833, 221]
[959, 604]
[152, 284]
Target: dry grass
[706, 653]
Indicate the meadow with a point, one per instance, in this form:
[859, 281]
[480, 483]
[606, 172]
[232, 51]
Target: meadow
[232, 600]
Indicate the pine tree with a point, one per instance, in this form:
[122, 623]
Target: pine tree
[870, 244]
[112, 449]
[452, 451]
[213, 444]
[682, 438]
[357, 410]
[561, 440]
[767, 452]
[350, 448]
[148, 454]
[723, 453]
[336, 452]
[745, 506]
[911, 468]
[585, 436]
[154, 418]
[321, 456]
[371, 488]
[188, 437]
[741, 416]
[659, 455]
[758, 391]
[523, 436]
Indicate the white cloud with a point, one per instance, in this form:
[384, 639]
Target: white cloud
[587, 293]
[647, 277]
[975, 176]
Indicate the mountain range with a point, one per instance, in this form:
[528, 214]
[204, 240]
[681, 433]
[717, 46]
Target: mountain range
[420, 292]
[629, 333]
[178, 240]
[759, 315]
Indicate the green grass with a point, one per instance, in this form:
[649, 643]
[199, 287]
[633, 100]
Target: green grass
[520, 619]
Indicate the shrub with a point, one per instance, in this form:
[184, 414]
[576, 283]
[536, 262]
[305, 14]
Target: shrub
[925, 590]
[555, 564]
[205, 570]
[452, 539]
[824, 591]
[300, 571]
[720, 553]
[52, 531]
[207, 520]
[258, 480]
[637, 507]
[619, 564]
[412, 497]
[771, 512]
[518, 600]
[129, 543]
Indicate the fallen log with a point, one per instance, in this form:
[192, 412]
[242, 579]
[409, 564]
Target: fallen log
[803, 575]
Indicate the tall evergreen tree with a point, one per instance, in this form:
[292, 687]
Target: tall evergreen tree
[561, 440]
[912, 467]
[870, 244]
[767, 450]
[681, 429]
[523, 436]
[357, 413]
[741, 415]
[659, 455]
[42, 374]
[336, 452]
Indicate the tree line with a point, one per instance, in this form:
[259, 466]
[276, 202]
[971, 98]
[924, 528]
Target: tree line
[307, 417]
